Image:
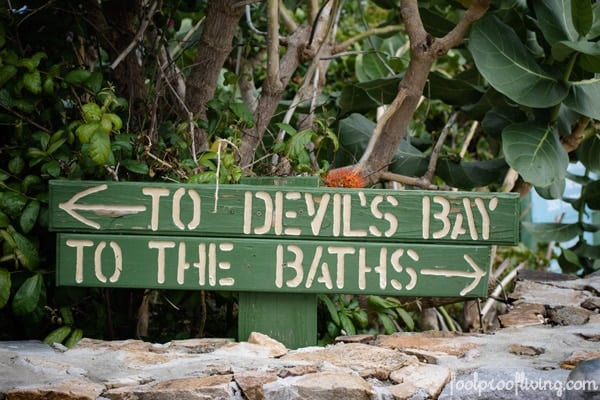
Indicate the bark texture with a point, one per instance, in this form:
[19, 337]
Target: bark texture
[215, 45]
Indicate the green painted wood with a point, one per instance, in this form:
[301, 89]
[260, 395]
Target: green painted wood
[288, 318]
[284, 212]
[263, 265]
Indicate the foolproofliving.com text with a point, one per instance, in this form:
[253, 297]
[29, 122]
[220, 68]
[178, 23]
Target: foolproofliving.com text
[519, 384]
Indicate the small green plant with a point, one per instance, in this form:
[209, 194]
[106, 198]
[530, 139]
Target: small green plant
[345, 315]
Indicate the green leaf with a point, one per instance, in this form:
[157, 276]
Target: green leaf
[388, 326]
[28, 295]
[7, 72]
[33, 62]
[588, 152]
[4, 220]
[94, 82]
[242, 112]
[450, 90]
[591, 195]
[507, 65]
[407, 318]
[535, 152]
[555, 20]
[584, 97]
[100, 147]
[75, 337]
[5, 284]
[77, 76]
[554, 191]
[67, 315]
[582, 16]
[12, 203]
[91, 112]
[33, 82]
[550, 231]
[29, 216]
[347, 324]
[471, 174]
[26, 251]
[203, 177]
[355, 99]
[135, 166]
[84, 132]
[16, 165]
[57, 335]
[369, 66]
[52, 168]
[333, 314]
[565, 48]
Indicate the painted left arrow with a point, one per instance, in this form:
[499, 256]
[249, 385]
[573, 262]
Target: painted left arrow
[476, 274]
[71, 207]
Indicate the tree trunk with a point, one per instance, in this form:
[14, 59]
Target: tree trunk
[269, 100]
[215, 45]
[117, 24]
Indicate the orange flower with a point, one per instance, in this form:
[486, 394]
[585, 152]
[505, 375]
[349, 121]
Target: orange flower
[345, 177]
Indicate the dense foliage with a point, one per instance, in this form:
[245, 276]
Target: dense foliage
[96, 90]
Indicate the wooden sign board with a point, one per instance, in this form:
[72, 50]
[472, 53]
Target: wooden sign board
[284, 212]
[262, 265]
[278, 244]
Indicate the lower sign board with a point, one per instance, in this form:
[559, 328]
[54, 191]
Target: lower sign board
[262, 265]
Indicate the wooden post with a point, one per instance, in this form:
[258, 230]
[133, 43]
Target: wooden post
[289, 318]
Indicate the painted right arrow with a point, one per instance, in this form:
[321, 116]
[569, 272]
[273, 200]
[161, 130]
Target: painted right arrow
[476, 274]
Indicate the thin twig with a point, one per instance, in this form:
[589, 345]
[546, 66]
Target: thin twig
[412, 181]
[396, 104]
[26, 119]
[136, 38]
[469, 138]
[501, 286]
[435, 153]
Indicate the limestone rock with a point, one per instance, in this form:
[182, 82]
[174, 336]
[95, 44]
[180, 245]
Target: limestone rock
[354, 356]
[431, 378]
[276, 349]
[67, 390]
[584, 381]
[524, 314]
[431, 342]
[320, 386]
[252, 383]
[216, 387]
[568, 315]
[524, 350]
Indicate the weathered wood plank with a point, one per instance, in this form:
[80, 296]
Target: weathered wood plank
[259, 265]
[284, 212]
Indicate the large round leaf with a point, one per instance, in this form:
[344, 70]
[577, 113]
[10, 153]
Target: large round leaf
[506, 64]
[549, 231]
[588, 154]
[585, 97]
[535, 152]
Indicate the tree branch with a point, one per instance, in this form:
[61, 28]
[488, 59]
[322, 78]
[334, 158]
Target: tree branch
[435, 153]
[455, 37]
[272, 82]
[338, 48]
[286, 17]
[412, 21]
[137, 38]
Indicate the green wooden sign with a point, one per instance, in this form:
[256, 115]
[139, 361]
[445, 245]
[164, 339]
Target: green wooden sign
[278, 243]
[284, 212]
[262, 265]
